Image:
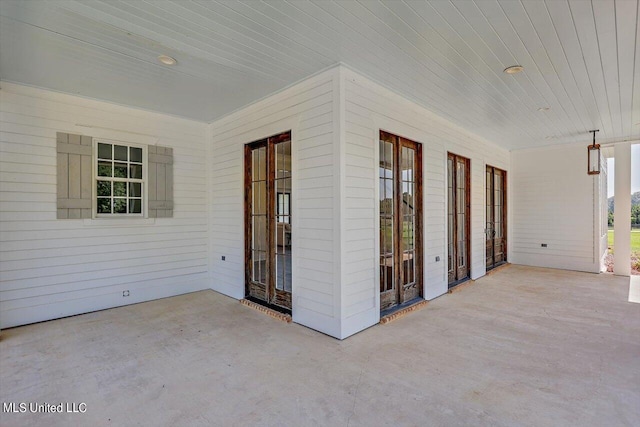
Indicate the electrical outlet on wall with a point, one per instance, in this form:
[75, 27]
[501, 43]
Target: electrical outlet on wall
[544, 245]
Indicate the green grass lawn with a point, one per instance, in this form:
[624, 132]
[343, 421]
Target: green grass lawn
[635, 240]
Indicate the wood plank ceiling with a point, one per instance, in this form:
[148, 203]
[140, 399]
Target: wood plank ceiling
[581, 58]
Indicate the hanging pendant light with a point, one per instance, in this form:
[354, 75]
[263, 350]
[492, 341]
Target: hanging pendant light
[593, 158]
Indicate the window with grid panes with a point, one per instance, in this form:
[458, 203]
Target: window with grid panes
[119, 179]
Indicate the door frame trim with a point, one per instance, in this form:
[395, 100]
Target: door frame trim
[505, 219]
[419, 237]
[271, 292]
[467, 218]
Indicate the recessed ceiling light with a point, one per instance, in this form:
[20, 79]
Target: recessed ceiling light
[167, 60]
[514, 69]
[544, 108]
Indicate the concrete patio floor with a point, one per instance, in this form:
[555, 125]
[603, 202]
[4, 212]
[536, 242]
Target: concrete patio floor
[522, 346]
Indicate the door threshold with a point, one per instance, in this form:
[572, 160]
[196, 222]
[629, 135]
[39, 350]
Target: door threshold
[498, 267]
[460, 284]
[269, 311]
[402, 310]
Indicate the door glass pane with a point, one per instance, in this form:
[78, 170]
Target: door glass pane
[461, 199]
[450, 216]
[386, 215]
[282, 202]
[462, 254]
[489, 216]
[259, 228]
[258, 215]
[489, 180]
[460, 187]
[259, 267]
[461, 241]
[498, 203]
[259, 195]
[259, 164]
[408, 215]
[489, 204]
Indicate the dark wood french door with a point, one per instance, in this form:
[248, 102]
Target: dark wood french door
[400, 177]
[459, 218]
[496, 227]
[268, 221]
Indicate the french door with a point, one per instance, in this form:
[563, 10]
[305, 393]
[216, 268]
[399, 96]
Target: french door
[268, 221]
[458, 211]
[400, 177]
[496, 229]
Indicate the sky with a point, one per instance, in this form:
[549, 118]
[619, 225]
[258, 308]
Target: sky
[635, 171]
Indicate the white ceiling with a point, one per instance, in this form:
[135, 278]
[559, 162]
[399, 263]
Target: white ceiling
[581, 58]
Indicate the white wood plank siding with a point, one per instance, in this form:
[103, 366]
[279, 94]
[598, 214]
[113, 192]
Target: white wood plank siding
[308, 110]
[370, 107]
[554, 202]
[51, 268]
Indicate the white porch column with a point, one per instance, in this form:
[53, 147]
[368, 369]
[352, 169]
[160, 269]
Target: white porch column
[622, 214]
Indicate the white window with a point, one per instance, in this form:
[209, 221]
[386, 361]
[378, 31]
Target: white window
[120, 179]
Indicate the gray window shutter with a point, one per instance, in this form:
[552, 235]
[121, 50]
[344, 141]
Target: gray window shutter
[74, 156]
[160, 182]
